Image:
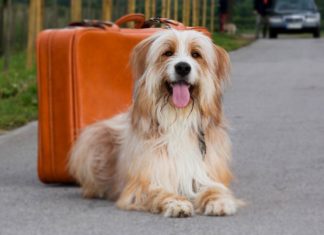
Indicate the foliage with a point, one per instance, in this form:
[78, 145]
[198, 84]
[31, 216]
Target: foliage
[18, 94]
[320, 5]
[243, 15]
[231, 42]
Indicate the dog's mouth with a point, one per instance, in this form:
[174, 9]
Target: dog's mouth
[180, 92]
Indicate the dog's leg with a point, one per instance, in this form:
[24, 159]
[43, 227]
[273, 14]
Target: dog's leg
[216, 201]
[156, 201]
[171, 205]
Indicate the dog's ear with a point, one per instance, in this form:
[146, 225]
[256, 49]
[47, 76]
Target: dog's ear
[223, 64]
[139, 58]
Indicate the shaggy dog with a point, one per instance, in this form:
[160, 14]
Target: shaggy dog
[169, 153]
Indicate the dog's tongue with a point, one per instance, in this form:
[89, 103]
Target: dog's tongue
[180, 95]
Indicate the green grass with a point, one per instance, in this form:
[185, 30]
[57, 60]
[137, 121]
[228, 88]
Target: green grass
[231, 42]
[18, 94]
[18, 90]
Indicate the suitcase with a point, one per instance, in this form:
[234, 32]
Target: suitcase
[84, 76]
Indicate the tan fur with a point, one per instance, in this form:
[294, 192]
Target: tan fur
[149, 158]
[206, 196]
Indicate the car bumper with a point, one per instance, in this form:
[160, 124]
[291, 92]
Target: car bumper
[294, 23]
[292, 26]
[294, 31]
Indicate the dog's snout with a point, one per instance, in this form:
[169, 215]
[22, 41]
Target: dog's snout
[182, 69]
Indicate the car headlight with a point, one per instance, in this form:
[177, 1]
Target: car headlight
[311, 18]
[275, 19]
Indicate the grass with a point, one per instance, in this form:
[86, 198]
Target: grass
[18, 94]
[18, 90]
[231, 42]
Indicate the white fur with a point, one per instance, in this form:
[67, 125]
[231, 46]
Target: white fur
[177, 208]
[184, 163]
[226, 205]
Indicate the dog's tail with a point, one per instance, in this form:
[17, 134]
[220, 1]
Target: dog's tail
[94, 158]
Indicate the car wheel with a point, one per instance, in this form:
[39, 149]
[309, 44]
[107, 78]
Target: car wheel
[317, 33]
[273, 33]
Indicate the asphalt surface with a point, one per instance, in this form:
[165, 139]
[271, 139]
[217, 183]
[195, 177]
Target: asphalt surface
[276, 109]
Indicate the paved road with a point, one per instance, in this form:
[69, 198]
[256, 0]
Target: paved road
[276, 107]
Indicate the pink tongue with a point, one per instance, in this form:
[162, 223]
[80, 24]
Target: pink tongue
[180, 95]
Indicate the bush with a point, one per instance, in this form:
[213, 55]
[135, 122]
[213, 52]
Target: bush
[18, 94]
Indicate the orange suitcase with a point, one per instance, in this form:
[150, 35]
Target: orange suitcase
[83, 77]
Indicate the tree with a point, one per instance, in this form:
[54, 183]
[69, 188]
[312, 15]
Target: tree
[35, 25]
[230, 10]
[89, 9]
[186, 12]
[212, 16]
[153, 8]
[168, 9]
[204, 13]
[76, 10]
[147, 9]
[106, 9]
[131, 9]
[55, 13]
[195, 12]
[320, 4]
[7, 38]
[39, 12]
[163, 8]
[131, 6]
[175, 10]
[2, 13]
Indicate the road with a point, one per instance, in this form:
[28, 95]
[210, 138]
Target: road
[276, 109]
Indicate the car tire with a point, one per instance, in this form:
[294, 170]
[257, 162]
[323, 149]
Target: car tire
[273, 33]
[317, 33]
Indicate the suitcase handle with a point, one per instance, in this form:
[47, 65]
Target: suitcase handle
[95, 23]
[139, 20]
[156, 21]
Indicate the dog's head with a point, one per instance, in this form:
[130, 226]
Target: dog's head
[183, 68]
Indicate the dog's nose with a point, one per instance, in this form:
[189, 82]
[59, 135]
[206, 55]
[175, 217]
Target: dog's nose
[182, 69]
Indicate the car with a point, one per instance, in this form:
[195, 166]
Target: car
[294, 16]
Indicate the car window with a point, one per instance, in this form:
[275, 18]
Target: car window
[294, 5]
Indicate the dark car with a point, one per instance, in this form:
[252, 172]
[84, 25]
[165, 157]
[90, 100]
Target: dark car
[294, 16]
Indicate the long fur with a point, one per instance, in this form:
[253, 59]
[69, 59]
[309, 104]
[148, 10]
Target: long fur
[150, 157]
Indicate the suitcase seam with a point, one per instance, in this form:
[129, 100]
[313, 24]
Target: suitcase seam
[50, 105]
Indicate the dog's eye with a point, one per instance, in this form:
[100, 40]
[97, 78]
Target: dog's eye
[168, 53]
[195, 54]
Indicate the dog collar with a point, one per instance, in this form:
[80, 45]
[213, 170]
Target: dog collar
[202, 144]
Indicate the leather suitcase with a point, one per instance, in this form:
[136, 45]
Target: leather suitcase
[83, 77]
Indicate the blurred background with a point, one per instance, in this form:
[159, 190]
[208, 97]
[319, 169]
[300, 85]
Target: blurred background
[21, 20]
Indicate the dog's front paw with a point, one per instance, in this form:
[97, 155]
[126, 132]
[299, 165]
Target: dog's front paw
[178, 209]
[224, 205]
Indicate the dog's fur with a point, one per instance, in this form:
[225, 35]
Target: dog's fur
[158, 157]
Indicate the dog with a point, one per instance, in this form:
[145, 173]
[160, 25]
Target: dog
[170, 152]
[230, 28]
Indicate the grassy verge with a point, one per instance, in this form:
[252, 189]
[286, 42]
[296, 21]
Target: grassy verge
[18, 92]
[232, 42]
